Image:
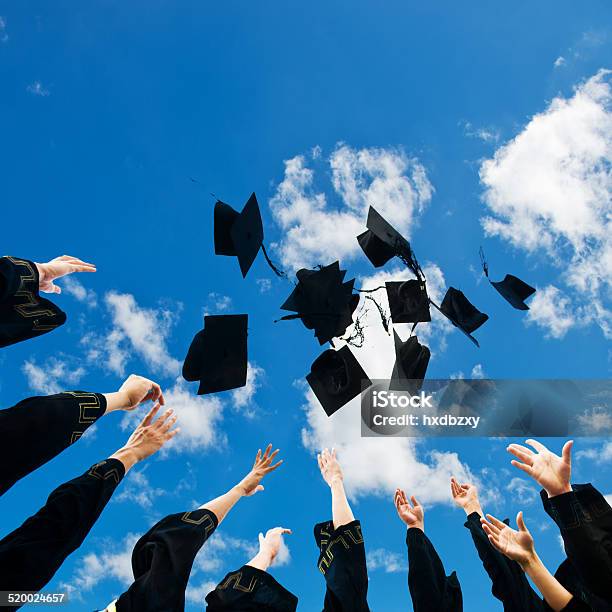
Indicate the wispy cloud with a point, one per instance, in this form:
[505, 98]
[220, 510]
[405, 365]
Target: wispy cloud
[53, 376]
[79, 292]
[3, 33]
[385, 560]
[549, 191]
[36, 88]
[486, 134]
[137, 489]
[396, 184]
[220, 303]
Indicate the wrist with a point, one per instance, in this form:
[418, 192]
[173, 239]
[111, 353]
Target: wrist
[117, 400]
[559, 490]
[41, 272]
[418, 525]
[473, 507]
[127, 456]
[529, 564]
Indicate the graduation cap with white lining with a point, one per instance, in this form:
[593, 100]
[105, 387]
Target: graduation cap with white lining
[511, 288]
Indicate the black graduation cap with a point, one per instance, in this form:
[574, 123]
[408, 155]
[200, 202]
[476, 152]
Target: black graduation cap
[512, 289]
[239, 233]
[461, 312]
[336, 378]
[411, 361]
[217, 356]
[323, 301]
[382, 242]
[408, 301]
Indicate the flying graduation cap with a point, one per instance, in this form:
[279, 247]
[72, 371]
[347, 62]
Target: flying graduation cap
[461, 312]
[217, 356]
[408, 301]
[239, 233]
[512, 289]
[336, 378]
[411, 361]
[323, 301]
[382, 241]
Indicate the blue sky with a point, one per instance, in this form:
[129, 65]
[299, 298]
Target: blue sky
[486, 125]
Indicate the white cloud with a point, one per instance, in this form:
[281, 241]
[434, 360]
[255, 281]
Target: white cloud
[220, 302]
[373, 465]
[522, 491]
[560, 61]
[79, 292]
[213, 555]
[478, 371]
[3, 35]
[595, 420]
[284, 555]
[243, 396]
[199, 418]
[602, 454]
[112, 562]
[389, 562]
[54, 376]
[138, 490]
[486, 134]
[264, 284]
[197, 594]
[550, 189]
[143, 330]
[38, 89]
[394, 183]
[551, 310]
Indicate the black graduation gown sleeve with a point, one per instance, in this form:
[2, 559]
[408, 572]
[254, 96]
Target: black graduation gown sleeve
[342, 561]
[584, 518]
[23, 312]
[430, 587]
[509, 583]
[583, 600]
[162, 560]
[30, 555]
[39, 428]
[250, 590]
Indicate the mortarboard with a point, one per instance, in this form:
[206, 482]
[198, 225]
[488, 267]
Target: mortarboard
[336, 378]
[512, 289]
[217, 356]
[408, 301]
[377, 251]
[461, 313]
[383, 242]
[323, 301]
[411, 361]
[239, 233]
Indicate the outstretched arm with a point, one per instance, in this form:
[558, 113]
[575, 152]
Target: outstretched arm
[332, 474]
[58, 267]
[269, 546]
[519, 546]
[33, 552]
[249, 485]
[40, 428]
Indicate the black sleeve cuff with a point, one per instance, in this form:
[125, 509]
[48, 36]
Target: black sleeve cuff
[109, 469]
[579, 506]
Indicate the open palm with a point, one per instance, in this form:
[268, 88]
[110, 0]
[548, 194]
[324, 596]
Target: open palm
[412, 514]
[550, 471]
[515, 544]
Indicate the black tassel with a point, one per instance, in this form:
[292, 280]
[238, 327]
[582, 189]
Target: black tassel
[275, 269]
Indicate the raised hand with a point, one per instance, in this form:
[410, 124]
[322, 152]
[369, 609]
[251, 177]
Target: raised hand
[465, 496]
[138, 389]
[516, 545]
[413, 515]
[270, 544]
[58, 267]
[148, 437]
[329, 466]
[550, 471]
[264, 464]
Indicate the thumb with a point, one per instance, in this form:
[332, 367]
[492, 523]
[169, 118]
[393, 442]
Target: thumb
[566, 453]
[520, 522]
[261, 538]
